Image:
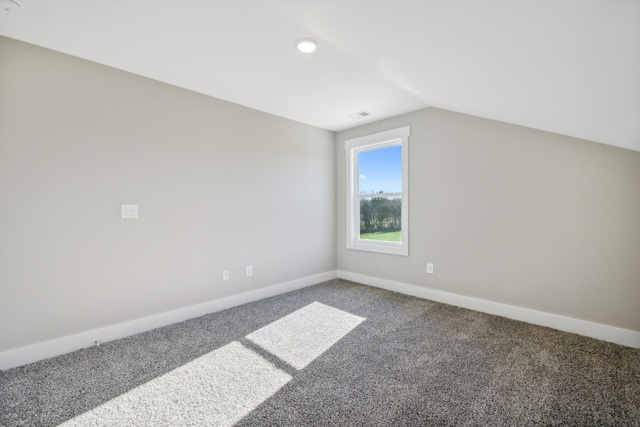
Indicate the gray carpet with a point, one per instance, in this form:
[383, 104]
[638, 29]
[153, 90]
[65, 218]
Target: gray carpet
[409, 362]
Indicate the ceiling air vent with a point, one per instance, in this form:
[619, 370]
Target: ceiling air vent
[359, 115]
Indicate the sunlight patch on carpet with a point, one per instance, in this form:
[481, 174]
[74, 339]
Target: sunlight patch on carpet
[217, 389]
[305, 334]
[221, 387]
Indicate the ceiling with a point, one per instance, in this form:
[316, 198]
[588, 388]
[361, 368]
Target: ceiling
[565, 66]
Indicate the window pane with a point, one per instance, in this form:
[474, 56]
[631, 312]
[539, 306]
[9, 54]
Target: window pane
[381, 219]
[377, 197]
[380, 171]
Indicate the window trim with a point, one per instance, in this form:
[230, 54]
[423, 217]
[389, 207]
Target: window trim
[389, 138]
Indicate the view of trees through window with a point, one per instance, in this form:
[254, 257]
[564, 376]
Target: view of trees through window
[380, 190]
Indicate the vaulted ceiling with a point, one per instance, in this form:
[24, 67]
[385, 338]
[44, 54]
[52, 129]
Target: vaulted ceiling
[565, 66]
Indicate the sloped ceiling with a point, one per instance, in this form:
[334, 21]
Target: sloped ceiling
[565, 66]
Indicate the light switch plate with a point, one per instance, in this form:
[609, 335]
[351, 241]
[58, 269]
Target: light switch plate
[129, 211]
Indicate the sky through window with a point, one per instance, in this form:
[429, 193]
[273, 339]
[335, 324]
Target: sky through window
[380, 170]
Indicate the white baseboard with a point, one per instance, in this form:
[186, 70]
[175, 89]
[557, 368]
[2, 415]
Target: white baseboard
[24, 355]
[581, 327]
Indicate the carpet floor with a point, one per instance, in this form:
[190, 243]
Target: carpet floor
[338, 353]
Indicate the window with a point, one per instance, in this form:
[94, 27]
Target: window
[377, 192]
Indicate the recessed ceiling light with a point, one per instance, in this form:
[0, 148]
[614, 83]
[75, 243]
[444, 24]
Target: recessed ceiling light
[307, 45]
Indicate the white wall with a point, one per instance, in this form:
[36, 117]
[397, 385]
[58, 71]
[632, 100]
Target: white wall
[515, 216]
[507, 214]
[219, 186]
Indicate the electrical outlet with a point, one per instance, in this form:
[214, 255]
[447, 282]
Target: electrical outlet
[225, 274]
[249, 270]
[429, 268]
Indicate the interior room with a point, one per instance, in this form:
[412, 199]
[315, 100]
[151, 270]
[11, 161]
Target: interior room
[184, 236]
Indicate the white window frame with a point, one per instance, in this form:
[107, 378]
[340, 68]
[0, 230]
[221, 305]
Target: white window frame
[389, 138]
